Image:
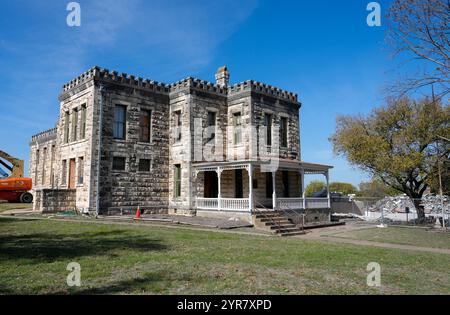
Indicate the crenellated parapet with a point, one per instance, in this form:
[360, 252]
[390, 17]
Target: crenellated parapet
[114, 77]
[262, 88]
[44, 136]
[199, 85]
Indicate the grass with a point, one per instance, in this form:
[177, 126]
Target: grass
[401, 235]
[4, 206]
[123, 259]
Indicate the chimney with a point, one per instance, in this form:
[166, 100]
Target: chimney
[222, 77]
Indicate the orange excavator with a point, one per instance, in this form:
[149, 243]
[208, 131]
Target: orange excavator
[14, 188]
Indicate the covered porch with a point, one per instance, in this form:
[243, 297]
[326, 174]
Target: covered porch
[243, 186]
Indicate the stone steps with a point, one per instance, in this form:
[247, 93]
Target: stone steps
[277, 223]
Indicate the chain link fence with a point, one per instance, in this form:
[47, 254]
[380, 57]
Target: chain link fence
[399, 210]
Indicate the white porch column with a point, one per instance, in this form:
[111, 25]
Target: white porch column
[274, 191]
[250, 187]
[327, 176]
[302, 175]
[219, 193]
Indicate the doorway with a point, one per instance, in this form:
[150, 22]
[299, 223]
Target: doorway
[211, 189]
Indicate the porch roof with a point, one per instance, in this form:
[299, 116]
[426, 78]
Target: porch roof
[267, 166]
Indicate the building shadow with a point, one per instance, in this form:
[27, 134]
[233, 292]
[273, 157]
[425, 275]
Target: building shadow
[50, 247]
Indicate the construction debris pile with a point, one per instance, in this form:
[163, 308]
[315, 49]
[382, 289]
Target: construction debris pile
[396, 204]
[399, 204]
[434, 204]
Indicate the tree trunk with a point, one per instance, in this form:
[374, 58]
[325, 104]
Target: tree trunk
[420, 209]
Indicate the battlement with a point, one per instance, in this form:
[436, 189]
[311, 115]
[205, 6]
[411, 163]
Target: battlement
[44, 136]
[263, 88]
[106, 75]
[197, 84]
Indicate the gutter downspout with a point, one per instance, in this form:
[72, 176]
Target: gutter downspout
[99, 155]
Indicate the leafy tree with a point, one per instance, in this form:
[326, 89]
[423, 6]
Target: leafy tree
[344, 188]
[397, 144]
[314, 186]
[376, 189]
[419, 31]
[317, 185]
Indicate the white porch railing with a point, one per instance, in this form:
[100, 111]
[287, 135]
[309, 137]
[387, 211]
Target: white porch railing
[226, 204]
[316, 203]
[289, 203]
[207, 203]
[234, 204]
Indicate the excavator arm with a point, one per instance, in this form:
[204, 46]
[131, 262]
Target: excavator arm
[17, 165]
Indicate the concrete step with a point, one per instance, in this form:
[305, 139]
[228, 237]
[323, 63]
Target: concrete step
[299, 232]
[287, 230]
[281, 222]
[283, 226]
[280, 219]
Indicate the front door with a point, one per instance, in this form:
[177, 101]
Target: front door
[72, 174]
[211, 185]
[238, 189]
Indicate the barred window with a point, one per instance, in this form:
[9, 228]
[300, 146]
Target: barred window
[118, 163]
[120, 113]
[284, 132]
[144, 165]
[145, 125]
[177, 125]
[177, 181]
[237, 123]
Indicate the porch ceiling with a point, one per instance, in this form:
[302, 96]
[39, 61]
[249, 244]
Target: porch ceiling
[267, 166]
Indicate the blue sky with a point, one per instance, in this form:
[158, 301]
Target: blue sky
[323, 50]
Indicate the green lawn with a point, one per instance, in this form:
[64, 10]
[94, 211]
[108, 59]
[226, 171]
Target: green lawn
[401, 235]
[159, 260]
[12, 206]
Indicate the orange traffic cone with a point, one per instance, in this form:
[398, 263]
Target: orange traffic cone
[138, 214]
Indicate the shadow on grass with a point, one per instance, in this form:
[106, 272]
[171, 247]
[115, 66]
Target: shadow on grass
[46, 247]
[148, 283]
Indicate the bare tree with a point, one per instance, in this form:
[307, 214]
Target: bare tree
[421, 29]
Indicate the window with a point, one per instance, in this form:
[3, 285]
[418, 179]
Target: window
[52, 176]
[74, 124]
[80, 170]
[64, 172]
[285, 175]
[211, 126]
[120, 113]
[177, 125]
[237, 123]
[144, 165]
[283, 132]
[36, 170]
[145, 125]
[177, 182]
[118, 163]
[83, 122]
[268, 125]
[66, 127]
[44, 159]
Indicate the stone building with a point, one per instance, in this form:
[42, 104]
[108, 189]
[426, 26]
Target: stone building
[191, 147]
